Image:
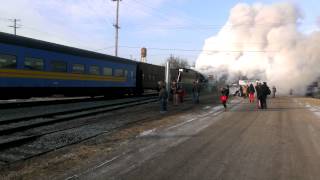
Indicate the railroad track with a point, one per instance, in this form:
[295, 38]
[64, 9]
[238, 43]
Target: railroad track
[17, 133]
[16, 103]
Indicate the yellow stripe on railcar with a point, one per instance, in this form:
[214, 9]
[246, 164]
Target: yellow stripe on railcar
[13, 73]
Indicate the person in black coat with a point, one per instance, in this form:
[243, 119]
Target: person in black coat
[227, 91]
[265, 91]
[163, 97]
[195, 92]
[240, 91]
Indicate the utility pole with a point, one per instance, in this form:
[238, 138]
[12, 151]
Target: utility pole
[15, 26]
[117, 27]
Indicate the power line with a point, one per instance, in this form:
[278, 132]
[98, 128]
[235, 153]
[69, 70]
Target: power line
[3, 19]
[211, 27]
[94, 10]
[164, 14]
[199, 50]
[56, 37]
[195, 50]
[167, 16]
[193, 27]
[109, 3]
[160, 15]
[104, 48]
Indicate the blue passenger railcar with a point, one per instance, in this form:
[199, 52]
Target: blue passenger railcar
[30, 67]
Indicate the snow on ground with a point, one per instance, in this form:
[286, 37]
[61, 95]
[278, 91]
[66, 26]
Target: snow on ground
[311, 104]
[314, 109]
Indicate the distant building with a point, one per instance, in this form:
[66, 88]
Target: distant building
[247, 82]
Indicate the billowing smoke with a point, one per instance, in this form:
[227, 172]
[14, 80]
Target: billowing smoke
[264, 42]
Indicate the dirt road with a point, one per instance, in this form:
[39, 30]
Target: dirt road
[282, 142]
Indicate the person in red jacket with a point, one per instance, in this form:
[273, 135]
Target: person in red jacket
[251, 93]
[224, 97]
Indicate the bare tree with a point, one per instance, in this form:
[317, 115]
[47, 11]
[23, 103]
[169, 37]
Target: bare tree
[177, 62]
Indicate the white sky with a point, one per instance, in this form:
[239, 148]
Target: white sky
[165, 27]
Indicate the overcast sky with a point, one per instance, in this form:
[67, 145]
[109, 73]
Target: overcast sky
[177, 27]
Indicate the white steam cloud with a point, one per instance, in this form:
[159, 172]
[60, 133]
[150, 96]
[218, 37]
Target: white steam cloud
[263, 42]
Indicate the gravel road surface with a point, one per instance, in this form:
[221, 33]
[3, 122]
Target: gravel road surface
[282, 142]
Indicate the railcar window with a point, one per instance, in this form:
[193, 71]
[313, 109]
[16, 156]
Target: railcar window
[8, 61]
[78, 68]
[107, 71]
[125, 73]
[58, 66]
[119, 72]
[132, 75]
[33, 64]
[95, 70]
